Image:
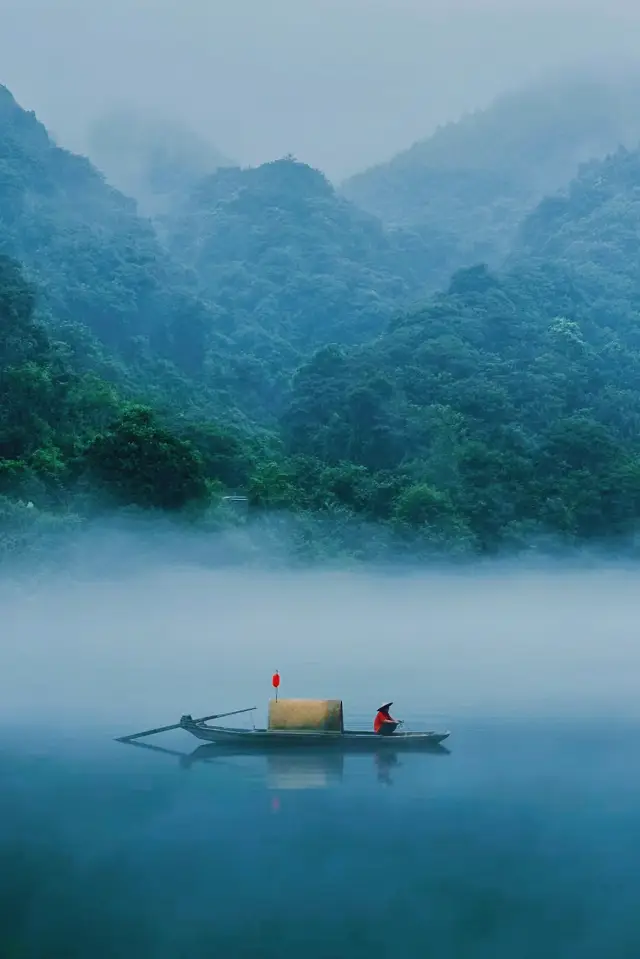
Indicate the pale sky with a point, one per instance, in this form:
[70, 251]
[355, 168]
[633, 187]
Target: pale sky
[339, 83]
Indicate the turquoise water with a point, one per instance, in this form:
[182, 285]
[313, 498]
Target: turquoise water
[521, 841]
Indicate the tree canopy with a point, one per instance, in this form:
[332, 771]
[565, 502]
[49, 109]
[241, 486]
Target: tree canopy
[268, 338]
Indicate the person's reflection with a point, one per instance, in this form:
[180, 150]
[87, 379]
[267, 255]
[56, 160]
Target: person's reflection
[384, 761]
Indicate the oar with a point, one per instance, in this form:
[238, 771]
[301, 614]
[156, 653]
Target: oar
[166, 729]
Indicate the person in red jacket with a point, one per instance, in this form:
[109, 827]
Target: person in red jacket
[384, 723]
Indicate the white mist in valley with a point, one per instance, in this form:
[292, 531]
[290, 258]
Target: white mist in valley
[341, 84]
[151, 645]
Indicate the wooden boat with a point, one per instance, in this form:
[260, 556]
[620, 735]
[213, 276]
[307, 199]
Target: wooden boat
[300, 722]
[346, 739]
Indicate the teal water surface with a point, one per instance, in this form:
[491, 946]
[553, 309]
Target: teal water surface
[520, 841]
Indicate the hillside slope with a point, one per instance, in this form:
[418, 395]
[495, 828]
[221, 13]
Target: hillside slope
[105, 283]
[258, 268]
[292, 265]
[476, 178]
[503, 412]
[508, 406]
[96, 261]
[593, 226]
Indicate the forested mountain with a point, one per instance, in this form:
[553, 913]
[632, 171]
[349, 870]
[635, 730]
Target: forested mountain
[99, 267]
[59, 427]
[40, 395]
[475, 179]
[262, 265]
[593, 228]
[124, 307]
[506, 407]
[510, 403]
[157, 162]
[270, 345]
[290, 264]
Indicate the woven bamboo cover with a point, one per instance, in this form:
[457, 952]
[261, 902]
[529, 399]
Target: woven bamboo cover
[310, 714]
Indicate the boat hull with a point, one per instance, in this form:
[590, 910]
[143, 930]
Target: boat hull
[352, 740]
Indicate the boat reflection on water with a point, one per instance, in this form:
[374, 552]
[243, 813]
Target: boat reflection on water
[299, 768]
[307, 771]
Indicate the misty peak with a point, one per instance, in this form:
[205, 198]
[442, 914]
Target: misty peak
[295, 176]
[281, 183]
[476, 179]
[21, 124]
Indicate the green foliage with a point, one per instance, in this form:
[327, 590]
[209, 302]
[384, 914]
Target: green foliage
[139, 462]
[502, 412]
[422, 505]
[46, 409]
[496, 402]
[592, 230]
[125, 309]
[57, 426]
[290, 264]
[227, 456]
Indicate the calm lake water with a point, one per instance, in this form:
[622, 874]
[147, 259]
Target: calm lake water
[518, 841]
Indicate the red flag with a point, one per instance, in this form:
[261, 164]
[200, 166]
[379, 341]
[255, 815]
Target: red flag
[275, 679]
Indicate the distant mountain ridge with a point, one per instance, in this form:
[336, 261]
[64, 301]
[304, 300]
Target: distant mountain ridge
[104, 282]
[291, 263]
[259, 267]
[271, 343]
[475, 179]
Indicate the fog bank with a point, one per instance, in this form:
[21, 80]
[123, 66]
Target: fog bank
[340, 83]
[153, 644]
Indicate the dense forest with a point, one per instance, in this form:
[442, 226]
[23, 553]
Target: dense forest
[262, 335]
[291, 265]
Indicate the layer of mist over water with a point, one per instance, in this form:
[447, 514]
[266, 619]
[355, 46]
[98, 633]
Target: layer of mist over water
[517, 840]
[170, 640]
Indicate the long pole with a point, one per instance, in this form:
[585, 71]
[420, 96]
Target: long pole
[166, 729]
